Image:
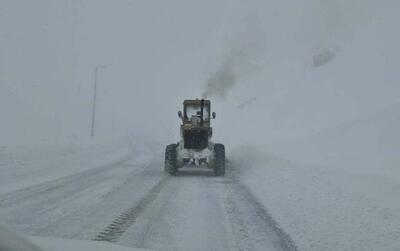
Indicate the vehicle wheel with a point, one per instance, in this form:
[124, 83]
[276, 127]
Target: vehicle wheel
[219, 162]
[171, 166]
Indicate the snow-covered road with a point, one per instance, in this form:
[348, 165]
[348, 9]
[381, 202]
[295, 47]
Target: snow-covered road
[198, 211]
[131, 202]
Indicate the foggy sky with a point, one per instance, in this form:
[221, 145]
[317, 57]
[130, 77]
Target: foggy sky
[160, 52]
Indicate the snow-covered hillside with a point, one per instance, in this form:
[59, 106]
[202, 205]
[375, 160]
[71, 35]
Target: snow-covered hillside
[321, 139]
[291, 96]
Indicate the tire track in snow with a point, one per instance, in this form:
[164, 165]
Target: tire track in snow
[117, 228]
[253, 223]
[253, 228]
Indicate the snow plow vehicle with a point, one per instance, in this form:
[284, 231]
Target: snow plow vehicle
[195, 149]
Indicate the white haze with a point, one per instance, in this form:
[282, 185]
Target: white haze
[160, 52]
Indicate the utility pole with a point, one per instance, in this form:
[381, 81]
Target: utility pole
[96, 71]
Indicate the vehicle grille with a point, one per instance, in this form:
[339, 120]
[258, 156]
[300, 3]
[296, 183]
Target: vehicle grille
[195, 139]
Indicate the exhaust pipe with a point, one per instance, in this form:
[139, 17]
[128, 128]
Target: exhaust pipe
[202, 112]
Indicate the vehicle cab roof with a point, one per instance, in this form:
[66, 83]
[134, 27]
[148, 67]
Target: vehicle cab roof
[195, 102]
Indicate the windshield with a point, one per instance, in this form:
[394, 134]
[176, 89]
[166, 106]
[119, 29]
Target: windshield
[195, 110]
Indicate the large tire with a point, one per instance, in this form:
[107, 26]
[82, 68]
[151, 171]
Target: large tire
[171, 165]
[219, 160]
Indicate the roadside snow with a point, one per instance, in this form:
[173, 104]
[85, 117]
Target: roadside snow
[55, 244]
[11, 241]
[25, 166]
[336, 190]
